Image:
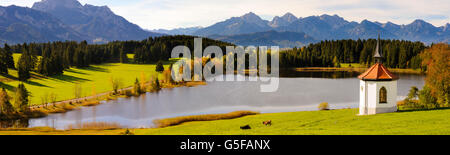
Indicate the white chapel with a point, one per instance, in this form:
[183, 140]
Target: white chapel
[378, 88]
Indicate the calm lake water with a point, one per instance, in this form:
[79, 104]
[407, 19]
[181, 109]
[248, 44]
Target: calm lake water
[298, 91]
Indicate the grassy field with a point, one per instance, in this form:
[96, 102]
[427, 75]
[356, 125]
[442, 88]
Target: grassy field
[340, 122]
[95, 78]
[332, 122]
[355, 65]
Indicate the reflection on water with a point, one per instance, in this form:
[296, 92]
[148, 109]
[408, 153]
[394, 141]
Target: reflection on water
[304, 92]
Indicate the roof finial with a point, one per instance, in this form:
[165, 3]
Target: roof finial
[377, 54]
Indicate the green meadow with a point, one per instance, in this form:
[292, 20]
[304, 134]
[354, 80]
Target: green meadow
[352, 65]
[332, 122]
[96, 79]
[93, 79]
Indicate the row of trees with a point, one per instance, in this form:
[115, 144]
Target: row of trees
[397, 53]
[436, 92]
[53, 58]
[155, 49]
[57, 56]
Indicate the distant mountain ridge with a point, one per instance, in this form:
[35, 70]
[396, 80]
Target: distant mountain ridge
[326, 27]
[284, 20]
[248, 23]
[177, 31]
[60, 20]
[19, 24]
[99, 22]
[268, 38]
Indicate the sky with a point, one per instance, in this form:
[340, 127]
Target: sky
[169, 14]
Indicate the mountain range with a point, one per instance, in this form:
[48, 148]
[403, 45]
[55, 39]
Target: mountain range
[51, 20]
[327, 27]
[59, 20]
[268, 38]
[19, 24]
[177, 31]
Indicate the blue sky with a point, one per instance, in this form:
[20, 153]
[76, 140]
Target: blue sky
[153, 14]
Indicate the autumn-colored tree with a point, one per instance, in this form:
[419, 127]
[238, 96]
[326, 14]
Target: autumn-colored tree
[116, 84]
[413, 93]
[437, 61]
[426, 99]
[143, 81]
[21, 99]
[5, 104]
[336, 62]
[167, 74]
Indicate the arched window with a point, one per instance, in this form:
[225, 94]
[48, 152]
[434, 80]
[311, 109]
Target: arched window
[383, 95]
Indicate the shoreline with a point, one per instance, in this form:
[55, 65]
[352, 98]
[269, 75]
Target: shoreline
[325, 122]
[39, 111]
[43, 110]
[351, 69]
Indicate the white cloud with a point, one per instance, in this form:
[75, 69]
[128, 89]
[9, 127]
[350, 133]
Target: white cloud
[152, 14]
[27, 3]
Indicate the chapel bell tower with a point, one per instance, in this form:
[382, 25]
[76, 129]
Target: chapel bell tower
[378, 87]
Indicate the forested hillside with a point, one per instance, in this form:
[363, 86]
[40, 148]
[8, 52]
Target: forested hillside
[397, 53]
[53, 58]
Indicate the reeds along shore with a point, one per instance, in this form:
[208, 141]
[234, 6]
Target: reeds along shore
[210, 117]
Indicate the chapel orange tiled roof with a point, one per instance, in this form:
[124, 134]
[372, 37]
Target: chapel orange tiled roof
[377, 72]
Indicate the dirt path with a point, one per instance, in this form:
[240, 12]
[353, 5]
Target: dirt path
[79, 99]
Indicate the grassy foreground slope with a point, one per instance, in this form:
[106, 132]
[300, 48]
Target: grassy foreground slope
[340, 122]
[95, 78]
[333, 122]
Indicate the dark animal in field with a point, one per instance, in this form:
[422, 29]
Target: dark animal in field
[268, 123]
[246, 127]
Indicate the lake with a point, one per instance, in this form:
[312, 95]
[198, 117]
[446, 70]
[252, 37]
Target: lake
[298, 91]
